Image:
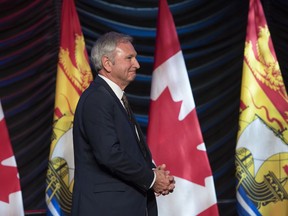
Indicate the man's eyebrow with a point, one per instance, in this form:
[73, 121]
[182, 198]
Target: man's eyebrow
[131, 55]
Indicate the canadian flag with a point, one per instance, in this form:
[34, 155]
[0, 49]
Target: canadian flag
[11, 203]
[174, 135]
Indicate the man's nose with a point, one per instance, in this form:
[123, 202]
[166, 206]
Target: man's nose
[136, 63]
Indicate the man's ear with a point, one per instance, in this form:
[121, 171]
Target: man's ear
[106, 63]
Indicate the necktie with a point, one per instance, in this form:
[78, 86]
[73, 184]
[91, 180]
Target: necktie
[127, 107]
[140, 139]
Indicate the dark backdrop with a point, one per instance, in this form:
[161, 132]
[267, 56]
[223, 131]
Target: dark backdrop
[212, 36]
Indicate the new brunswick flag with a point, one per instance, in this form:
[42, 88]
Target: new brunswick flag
[73, 77]
[262, 142]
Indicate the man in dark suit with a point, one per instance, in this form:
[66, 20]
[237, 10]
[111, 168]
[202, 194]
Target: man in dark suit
[114, 173]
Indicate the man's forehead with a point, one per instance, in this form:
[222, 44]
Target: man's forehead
[126, 49]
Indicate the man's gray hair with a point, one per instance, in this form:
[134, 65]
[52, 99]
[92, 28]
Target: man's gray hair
[105, 46]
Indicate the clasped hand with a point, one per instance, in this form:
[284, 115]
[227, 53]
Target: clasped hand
[164, 183]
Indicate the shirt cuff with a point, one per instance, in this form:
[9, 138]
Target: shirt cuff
[154, 179]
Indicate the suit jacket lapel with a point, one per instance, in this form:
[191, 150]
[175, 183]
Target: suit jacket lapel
[99, 81]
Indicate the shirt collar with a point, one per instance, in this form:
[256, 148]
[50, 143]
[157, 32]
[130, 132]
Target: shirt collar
[116, 89]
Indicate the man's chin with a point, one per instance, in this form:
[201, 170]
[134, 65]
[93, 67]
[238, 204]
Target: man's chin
[132, 77]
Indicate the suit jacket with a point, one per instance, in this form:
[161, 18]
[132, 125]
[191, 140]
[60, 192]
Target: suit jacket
[112, 176]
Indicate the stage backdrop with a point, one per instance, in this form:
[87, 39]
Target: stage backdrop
[211, 34]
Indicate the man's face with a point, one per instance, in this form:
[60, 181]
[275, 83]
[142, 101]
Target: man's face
[125, 64]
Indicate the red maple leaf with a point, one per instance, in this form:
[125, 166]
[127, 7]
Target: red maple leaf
[9, 182]
[175, 142]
